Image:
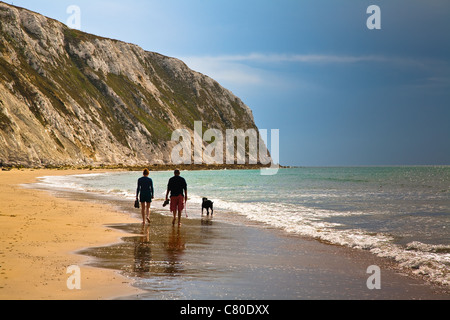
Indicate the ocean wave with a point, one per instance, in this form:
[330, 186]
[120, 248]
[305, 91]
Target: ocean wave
[58, 183]
[430, 261]
[419, 246]
[432, 265]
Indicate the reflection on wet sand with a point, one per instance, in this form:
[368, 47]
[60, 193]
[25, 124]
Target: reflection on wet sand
[142, 252]
[167, 261]
[175, 249]
[207, 221]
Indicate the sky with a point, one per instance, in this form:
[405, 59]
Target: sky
[341, 94]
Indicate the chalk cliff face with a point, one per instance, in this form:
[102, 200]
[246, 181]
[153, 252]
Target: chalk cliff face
[72, 98]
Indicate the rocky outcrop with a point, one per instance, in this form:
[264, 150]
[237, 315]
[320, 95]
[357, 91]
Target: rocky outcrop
[72, 98]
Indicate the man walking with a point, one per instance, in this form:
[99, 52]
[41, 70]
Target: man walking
[178, 195]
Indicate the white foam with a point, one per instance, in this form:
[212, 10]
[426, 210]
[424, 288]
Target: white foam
[56, 182]
[432, 261]
[432, 265]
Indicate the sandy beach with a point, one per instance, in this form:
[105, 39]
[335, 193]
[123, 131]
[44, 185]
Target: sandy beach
[206, 259]
[38, 235]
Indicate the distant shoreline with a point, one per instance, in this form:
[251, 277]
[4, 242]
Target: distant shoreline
[195, 167]
[151, 167]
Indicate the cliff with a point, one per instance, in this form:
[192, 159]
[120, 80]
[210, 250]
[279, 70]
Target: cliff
[72, 98]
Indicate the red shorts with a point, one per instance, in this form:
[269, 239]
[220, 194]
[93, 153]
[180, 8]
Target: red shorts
[177, 203]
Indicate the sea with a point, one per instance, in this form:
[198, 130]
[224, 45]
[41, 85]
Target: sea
[401, 213]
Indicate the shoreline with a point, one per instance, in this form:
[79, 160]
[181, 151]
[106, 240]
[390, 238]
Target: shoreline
[150, 166]
[40, 236]
[306, 263]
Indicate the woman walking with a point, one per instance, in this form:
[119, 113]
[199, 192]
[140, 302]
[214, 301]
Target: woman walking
[146, 192]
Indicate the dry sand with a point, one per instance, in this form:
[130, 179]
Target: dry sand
[38, 234]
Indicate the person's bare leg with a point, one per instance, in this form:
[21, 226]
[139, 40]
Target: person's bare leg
[174, 217]
[147, 212]
[143, 212]
[179, 217]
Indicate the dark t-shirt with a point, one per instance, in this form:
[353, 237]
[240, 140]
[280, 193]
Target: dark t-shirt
[145, 187]
[176, 186]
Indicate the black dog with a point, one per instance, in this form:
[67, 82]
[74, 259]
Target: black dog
[207, 204]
